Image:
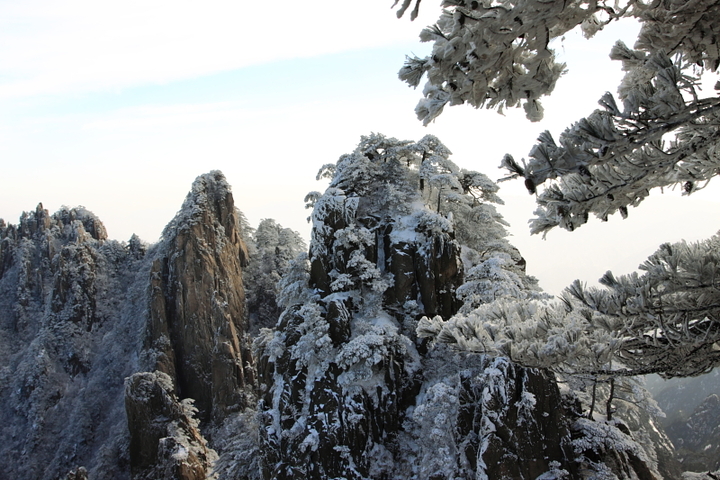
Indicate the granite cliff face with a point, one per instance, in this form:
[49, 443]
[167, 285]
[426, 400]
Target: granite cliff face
[196, 334]
[197, 315]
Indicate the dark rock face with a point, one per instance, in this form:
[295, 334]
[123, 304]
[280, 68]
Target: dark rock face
[197, 313]
[347, 375]
[490, 418]
[426, 269]
[164, 438]
[323, 427]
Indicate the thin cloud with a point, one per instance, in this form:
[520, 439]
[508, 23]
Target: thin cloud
[48, 48]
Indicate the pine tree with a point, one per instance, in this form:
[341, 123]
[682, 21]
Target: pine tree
[660, 132]
[665, 321]
[273, 249]
[663, 132]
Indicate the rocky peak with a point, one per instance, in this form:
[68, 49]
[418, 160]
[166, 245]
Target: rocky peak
[197, 314]
[80, 313]
[49, 233]
[350, 392]
[66, 343]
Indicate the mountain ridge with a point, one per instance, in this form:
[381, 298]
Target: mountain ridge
[128, 361]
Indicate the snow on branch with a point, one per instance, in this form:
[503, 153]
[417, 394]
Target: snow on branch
[665, 321]
[496, 54]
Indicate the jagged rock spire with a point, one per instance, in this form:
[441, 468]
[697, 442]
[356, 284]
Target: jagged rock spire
[197, 312]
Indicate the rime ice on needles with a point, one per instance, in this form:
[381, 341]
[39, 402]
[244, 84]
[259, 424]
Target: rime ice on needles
[497, 54]
[666, 321]
[665, 134]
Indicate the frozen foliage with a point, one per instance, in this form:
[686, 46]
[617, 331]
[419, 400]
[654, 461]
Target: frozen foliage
[494, 278]
[478, 417]
[663, 134]
[294, 283]
[667, 319]
[531, 333]
[272, 251]
[70, 307]
[664, 321]
[492, 54]
[238, 445]
[423, 196]
[602, 447]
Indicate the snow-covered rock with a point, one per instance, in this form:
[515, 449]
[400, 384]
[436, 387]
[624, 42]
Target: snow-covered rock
[80, 313]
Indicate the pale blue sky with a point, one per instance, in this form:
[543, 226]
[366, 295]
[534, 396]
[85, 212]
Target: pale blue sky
[119, 108]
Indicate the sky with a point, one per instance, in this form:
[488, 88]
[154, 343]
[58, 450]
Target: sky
[119, 106]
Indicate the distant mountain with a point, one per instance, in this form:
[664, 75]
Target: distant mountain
[697, 439]
[678, 397]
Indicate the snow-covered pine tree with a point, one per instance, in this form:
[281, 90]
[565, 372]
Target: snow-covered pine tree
[496, 54]
[665, 321]
[272, 250]
[598, 341]
[664, 134]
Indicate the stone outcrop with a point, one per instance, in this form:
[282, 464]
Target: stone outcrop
[197, 314]
[351, 392]
[80, 313]
[165, 442]
[425, 269]
[321, 427]
[488, 419]
[112, 353]
[326, 416]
